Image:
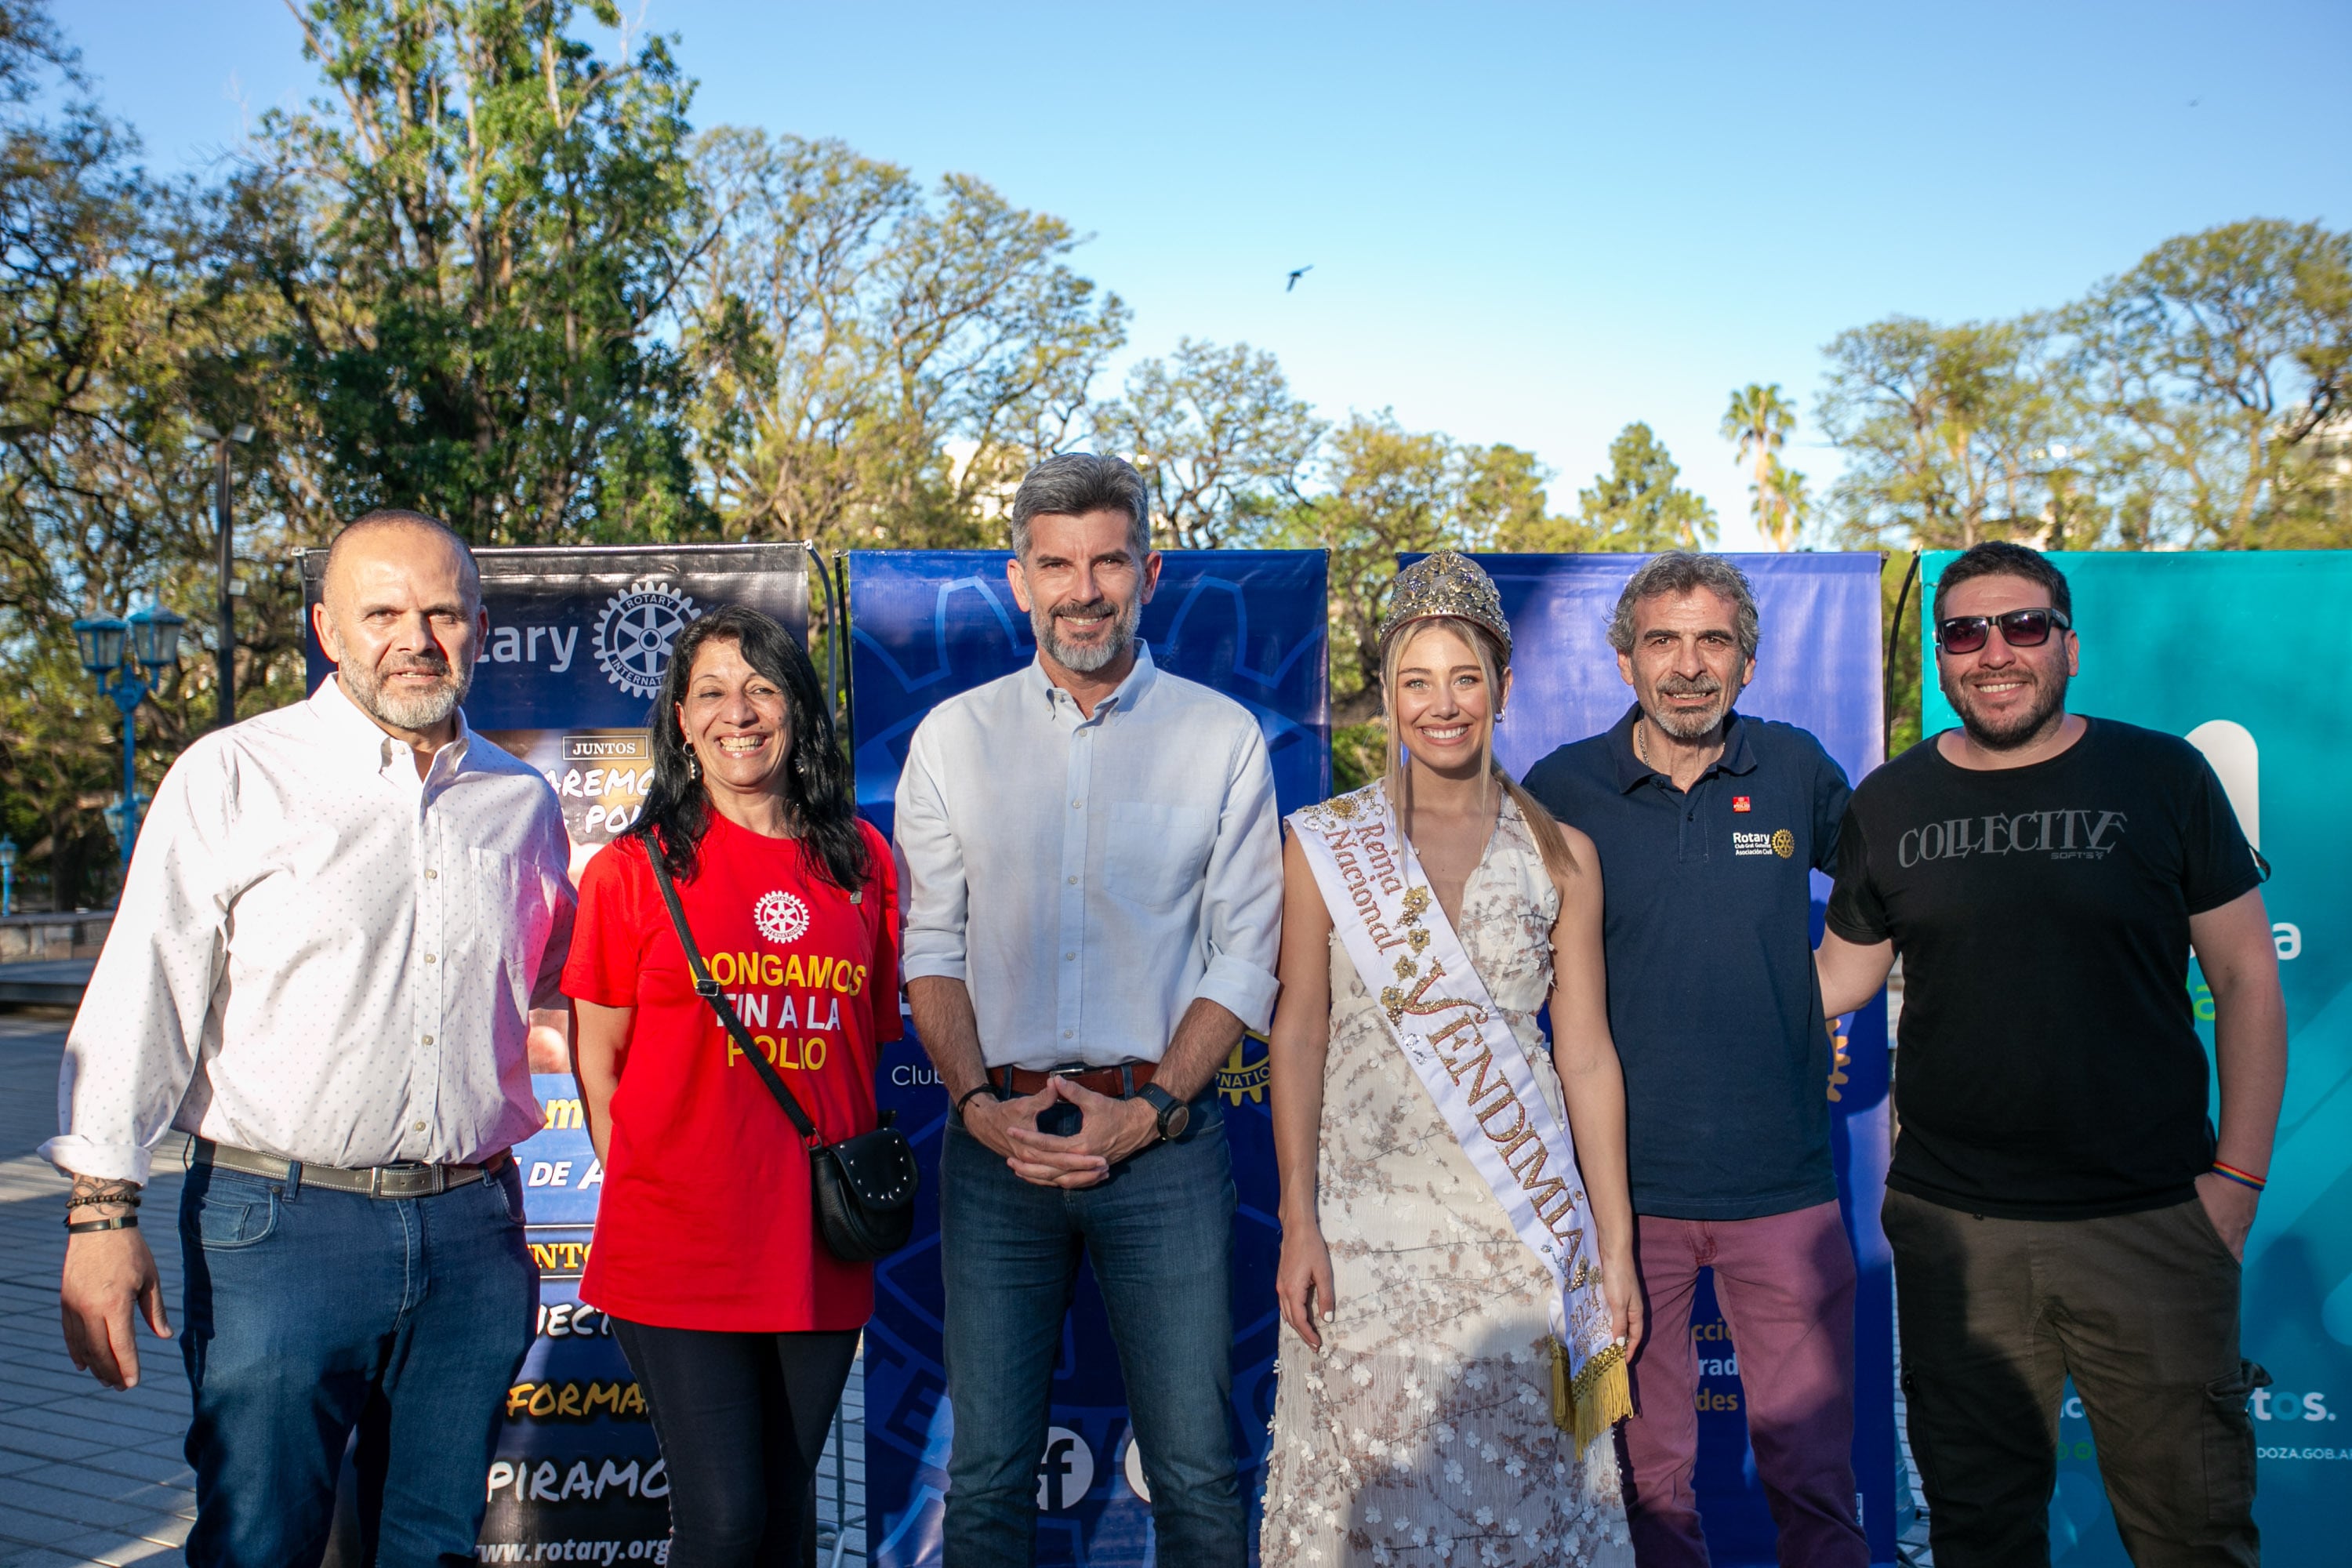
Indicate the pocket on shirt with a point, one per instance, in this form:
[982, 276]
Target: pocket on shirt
[1157, 854]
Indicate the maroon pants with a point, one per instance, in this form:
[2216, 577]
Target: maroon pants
[1785, 1283]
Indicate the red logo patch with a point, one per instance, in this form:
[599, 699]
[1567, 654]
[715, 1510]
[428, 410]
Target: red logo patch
[1739, 802]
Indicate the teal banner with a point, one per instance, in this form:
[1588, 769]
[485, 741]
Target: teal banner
[2185, 643]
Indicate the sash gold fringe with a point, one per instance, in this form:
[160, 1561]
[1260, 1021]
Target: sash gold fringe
[1599, 1397]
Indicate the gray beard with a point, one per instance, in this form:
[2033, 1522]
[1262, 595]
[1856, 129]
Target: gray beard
[1687, 726]
[415, 711]
[1086, 660]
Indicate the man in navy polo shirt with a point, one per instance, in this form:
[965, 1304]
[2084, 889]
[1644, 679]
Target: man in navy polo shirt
[1707, 826]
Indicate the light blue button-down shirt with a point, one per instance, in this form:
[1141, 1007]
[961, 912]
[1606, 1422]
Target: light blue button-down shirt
[1086, 878]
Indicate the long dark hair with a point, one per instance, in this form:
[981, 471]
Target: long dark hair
[816, 778]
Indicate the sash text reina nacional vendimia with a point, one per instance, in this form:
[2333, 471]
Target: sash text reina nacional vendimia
[1462, 1051]
[1472, 1065]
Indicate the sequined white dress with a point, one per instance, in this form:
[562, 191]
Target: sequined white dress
[1422, 1433]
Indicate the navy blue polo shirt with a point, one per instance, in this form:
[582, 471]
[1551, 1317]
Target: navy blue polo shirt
[1707, 922]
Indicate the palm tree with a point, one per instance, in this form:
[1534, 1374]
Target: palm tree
[1757, 422]
[1781, 505]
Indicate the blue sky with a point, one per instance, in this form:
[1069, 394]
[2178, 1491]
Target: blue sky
[1526, 223]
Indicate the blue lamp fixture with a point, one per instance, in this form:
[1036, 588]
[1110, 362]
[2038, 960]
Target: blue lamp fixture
[115, 651]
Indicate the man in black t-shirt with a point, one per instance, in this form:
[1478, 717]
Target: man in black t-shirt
[2059, 1203]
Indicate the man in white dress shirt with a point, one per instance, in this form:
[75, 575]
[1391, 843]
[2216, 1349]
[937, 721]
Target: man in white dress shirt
[335, 926]
[1092, 870]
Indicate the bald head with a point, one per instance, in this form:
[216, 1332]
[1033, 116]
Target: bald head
[399, 530]
[401, 614]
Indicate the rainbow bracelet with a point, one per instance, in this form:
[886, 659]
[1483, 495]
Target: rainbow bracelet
[2243, 1178]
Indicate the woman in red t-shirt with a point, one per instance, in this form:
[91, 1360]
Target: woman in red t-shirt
[739, 1323]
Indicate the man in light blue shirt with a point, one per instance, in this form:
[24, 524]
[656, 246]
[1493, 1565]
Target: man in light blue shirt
[1091, 870]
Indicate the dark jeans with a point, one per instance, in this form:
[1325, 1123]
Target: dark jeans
[2141, 1310]
[741, 1419]
[1159, 1232]
[1785, 1283]
[304, 1308]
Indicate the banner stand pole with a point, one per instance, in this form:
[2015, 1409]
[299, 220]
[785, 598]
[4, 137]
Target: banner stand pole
[832, 630]
[1894, 641]
[848, 702]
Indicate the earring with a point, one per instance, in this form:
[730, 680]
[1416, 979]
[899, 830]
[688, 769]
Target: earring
[693, 766]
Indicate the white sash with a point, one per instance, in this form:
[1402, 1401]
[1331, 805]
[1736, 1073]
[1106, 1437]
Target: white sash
[1471, 1063]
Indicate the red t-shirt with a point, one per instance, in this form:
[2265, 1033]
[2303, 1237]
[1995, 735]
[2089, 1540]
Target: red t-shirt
[704, 1222]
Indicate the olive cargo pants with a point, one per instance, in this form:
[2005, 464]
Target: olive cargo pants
[2141, 1310]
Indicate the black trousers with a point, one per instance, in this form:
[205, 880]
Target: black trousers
[741, 1419]
[2141, 1310]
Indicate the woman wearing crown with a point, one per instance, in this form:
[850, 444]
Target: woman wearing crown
[1457, 1281]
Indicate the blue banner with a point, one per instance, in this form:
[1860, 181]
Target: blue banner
[2176, 641]
[1818, 667]
[924, 626]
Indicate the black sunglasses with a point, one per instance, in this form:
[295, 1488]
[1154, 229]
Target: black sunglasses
[2019, 629]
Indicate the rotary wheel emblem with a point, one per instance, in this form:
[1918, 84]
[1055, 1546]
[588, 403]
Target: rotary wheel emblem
[781, 918]
[636, 631]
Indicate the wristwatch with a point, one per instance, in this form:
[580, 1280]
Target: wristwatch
[1174, 1114]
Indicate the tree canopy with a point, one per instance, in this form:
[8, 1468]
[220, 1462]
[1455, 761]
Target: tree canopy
[496, 272]
[2196, 401]
[1637, 505]
[874, 363]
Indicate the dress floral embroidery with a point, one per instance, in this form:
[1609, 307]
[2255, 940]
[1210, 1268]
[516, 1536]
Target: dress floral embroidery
[1422, 1433]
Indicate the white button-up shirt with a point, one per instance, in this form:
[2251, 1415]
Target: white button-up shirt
[321, 956]
[1088, 877]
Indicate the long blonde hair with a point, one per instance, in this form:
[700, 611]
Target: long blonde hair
[1550, 843]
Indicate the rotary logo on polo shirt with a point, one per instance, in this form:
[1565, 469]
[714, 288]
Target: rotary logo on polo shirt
[781, 918]
[1780, 842]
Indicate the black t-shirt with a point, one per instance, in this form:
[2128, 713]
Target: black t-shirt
[2049, 1067]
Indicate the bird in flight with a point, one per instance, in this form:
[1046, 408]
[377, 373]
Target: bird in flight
[1295, 274]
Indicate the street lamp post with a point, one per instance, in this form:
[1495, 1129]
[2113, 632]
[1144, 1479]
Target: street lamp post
[115, 651]
[226, 679]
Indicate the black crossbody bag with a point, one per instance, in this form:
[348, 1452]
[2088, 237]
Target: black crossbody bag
[863, 1187]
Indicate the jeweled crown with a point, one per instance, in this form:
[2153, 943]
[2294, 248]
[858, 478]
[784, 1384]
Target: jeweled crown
[1446, 582]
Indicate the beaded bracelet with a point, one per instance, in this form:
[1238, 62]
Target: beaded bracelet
[98, 1200]
[2243, 1178]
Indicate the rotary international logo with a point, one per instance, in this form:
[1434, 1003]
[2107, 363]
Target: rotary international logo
[635, 630]
[1244, 1077]
[1784, 842]
[781, 918]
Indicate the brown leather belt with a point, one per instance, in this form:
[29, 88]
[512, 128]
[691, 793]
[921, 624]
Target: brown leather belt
[408, 1180]
[1120, 1082]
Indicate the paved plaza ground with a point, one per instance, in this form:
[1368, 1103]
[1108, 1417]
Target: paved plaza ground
[91, 1476]
[87, 1476]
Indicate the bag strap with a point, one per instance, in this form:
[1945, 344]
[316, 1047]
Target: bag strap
[708, 989]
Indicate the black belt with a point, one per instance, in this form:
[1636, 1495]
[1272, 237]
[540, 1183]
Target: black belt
[409, 1179]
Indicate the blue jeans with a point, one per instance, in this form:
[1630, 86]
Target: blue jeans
[1159, 1232]
[306, 1308]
